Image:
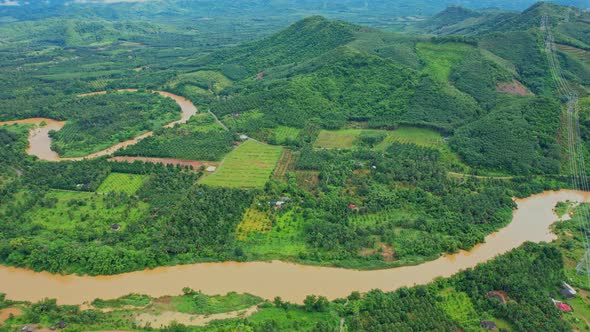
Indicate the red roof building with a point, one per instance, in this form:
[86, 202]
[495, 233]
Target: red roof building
[563, 307]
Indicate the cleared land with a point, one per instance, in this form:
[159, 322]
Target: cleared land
[347, 138]
[122, 183]
[440, 59]
[248, 166]
[68, 211]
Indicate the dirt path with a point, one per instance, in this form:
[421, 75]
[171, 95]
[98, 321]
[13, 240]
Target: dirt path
[218, 121]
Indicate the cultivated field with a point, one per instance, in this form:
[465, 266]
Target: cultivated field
[248, 166]
[122, 183]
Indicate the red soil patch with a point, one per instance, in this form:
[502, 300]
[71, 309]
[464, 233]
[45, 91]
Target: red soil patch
[513, 88]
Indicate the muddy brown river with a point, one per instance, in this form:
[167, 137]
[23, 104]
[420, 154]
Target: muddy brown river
[292, 282]
[40, 142]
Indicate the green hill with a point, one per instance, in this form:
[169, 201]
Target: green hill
[303, 40]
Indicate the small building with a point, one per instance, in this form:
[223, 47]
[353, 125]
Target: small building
[286, 199]
[61, 324]
[487, 324]
[567, 291]
[28, 328]
[243, 137]
[115, 227]
[445, 139]
[564, 307]
[352, 207]
[211, 169]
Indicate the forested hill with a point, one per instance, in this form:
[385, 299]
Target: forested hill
[490, 91]
[303, 40]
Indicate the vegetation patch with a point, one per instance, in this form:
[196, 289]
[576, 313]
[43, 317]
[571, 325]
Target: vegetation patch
[458, 305]
[441, 58]
[201, 138]
[379, 139]
[253, 221]
[195, 302]
[122, 183]
[341, 139]
[97, 122]
[248, 166]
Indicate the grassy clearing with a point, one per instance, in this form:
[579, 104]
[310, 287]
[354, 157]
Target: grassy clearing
[337, 139]
[198, 303]
[66, 211]
[204, 81]
[122, 183]
[347, 138]
[248, 166]
[441, 58]
[459, 307]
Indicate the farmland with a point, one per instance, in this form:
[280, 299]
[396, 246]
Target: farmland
[122, 183]
[248, 166]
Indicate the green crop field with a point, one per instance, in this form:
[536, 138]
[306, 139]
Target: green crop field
[442, 58]
[248, 166]
[122, 183]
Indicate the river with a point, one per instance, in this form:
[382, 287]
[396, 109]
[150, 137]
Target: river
[40, 142]
[290, 281]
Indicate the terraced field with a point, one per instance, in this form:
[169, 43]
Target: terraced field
[578, 53]
[248, 166]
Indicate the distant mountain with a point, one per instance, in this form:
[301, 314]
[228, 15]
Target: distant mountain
[462, 21]
[371, 12]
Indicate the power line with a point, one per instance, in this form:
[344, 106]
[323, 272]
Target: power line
[575, 145]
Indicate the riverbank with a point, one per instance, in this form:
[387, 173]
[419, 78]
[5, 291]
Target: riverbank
[292, 282]
[40, 142]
